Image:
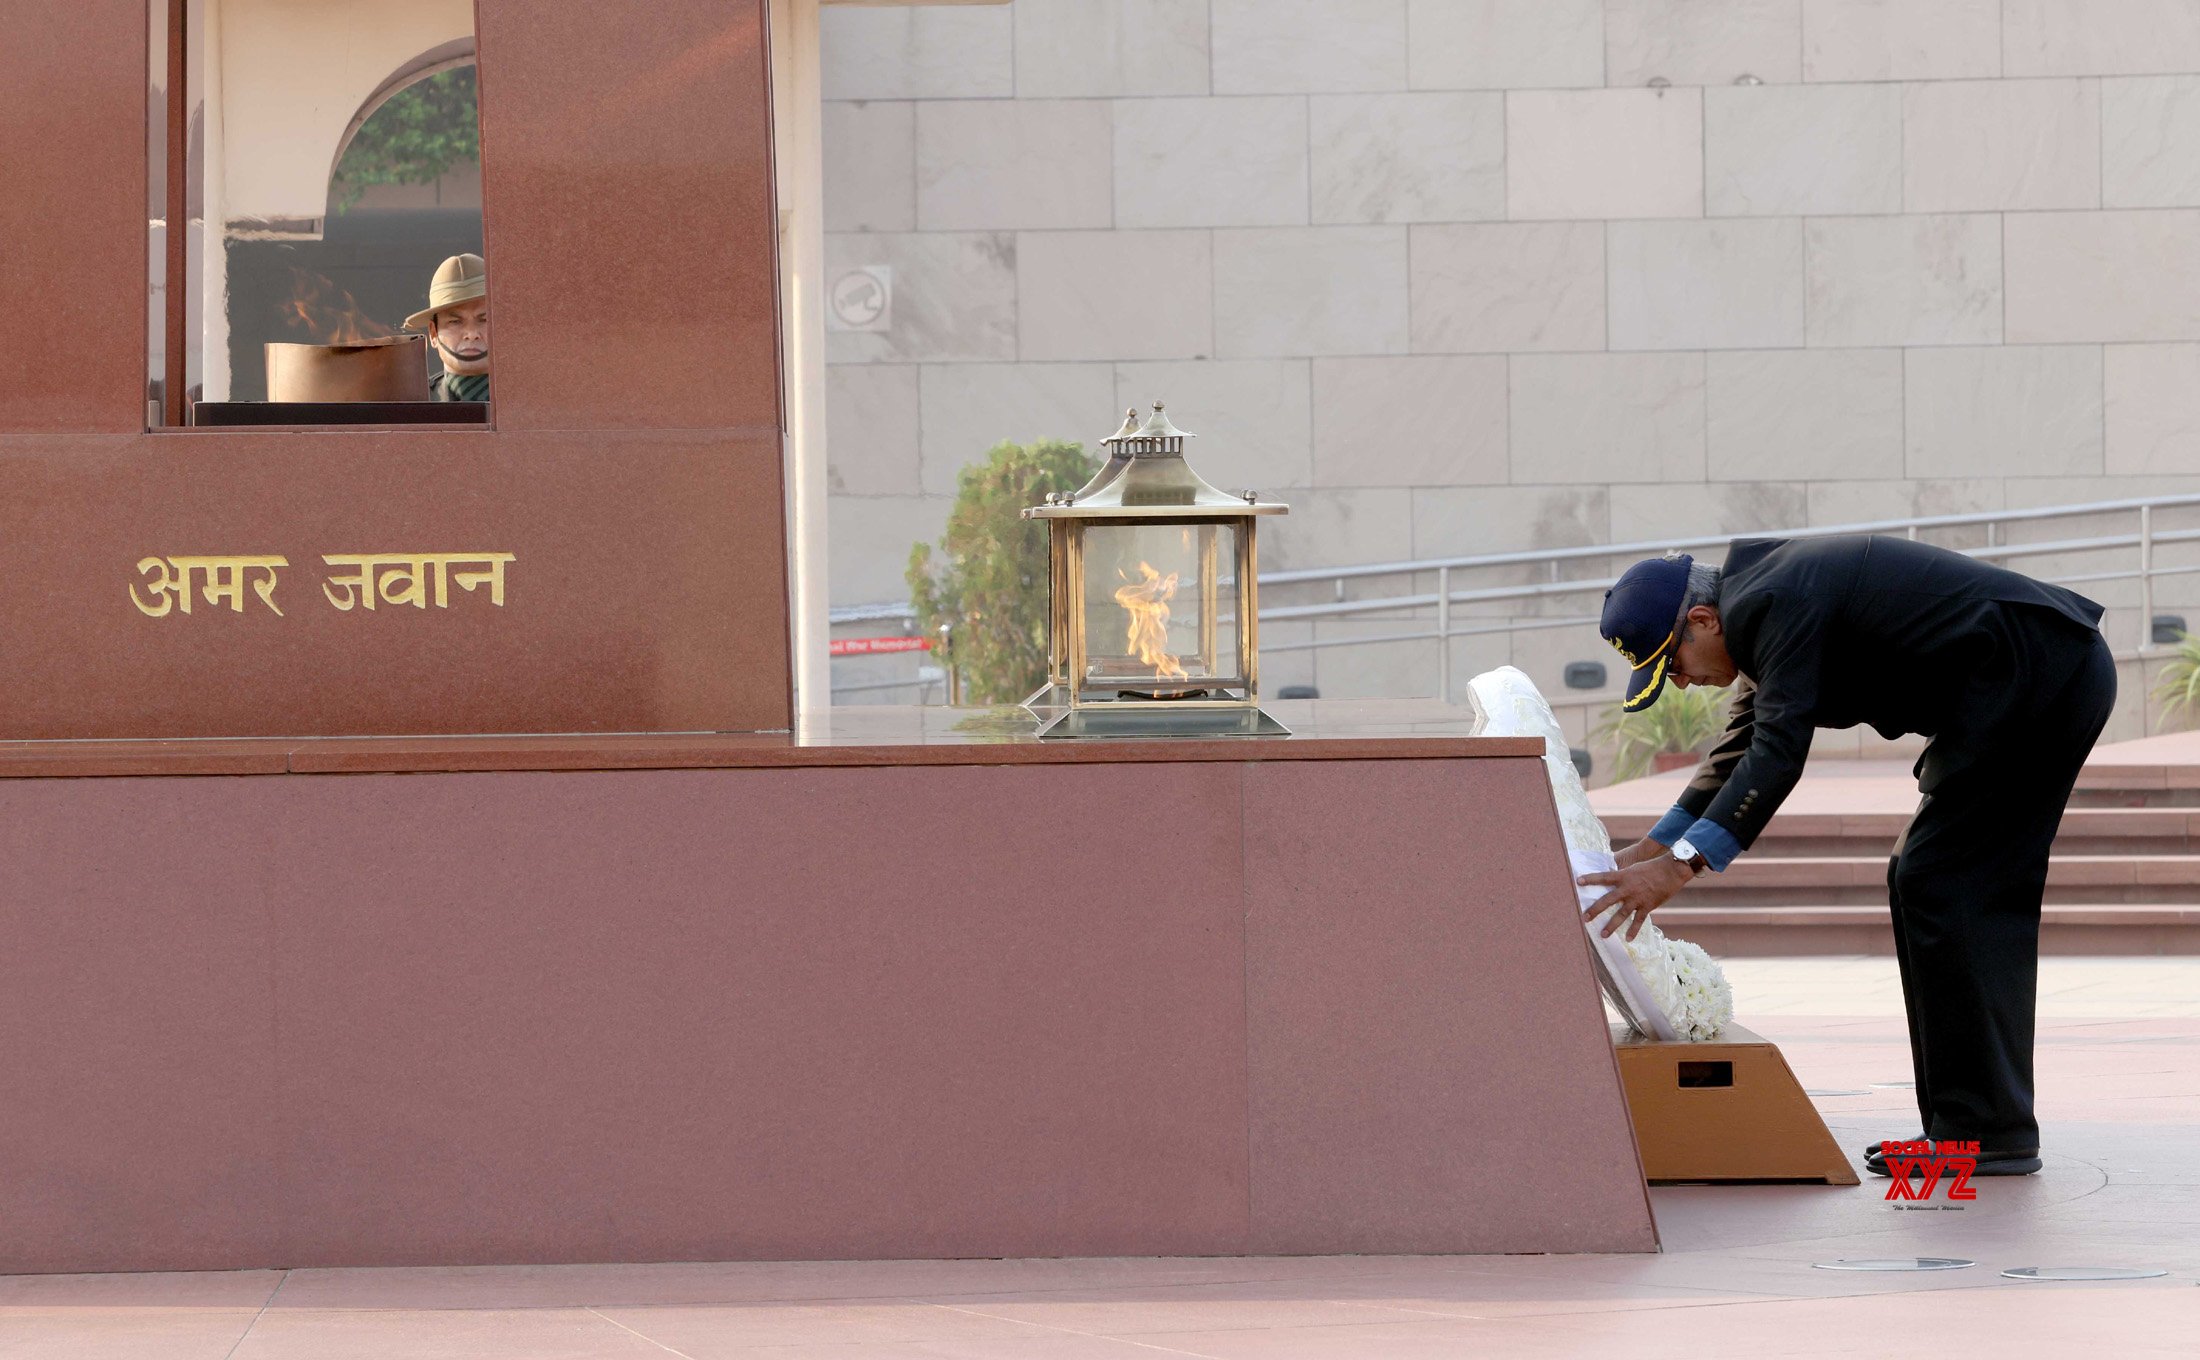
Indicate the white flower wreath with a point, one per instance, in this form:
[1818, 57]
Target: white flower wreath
[1685, 985]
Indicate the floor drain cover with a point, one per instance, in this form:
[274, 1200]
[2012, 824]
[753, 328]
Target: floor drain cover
[2082, 1273]
[1837, 1093]
[1898, 1263]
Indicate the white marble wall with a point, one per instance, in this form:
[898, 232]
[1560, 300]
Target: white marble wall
[1468, 275]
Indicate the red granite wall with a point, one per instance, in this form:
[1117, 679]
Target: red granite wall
[1293, 1006]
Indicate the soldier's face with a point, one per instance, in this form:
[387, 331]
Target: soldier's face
[1701, 657]
[461, 336]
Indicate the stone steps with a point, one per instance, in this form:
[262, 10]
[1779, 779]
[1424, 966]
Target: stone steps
[1756, 880]
[2124, 877]
[2085, 831]
[2083, 928]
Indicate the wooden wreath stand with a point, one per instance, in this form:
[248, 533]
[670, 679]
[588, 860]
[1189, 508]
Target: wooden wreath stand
[1726, 1110]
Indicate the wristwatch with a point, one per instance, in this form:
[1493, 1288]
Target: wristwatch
[1690, 856]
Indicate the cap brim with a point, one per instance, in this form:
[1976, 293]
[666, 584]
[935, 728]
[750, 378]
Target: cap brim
[1644, 686]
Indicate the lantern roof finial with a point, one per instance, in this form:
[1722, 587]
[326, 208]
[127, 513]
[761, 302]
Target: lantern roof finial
[1159, 426]
[1146, 436]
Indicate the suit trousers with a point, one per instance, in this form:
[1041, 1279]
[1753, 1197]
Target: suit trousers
[1964, 888]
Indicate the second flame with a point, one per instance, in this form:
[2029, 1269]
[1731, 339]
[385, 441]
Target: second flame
[328, 313]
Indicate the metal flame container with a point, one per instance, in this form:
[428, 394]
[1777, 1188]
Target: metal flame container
[392, 369]
[1154, 622]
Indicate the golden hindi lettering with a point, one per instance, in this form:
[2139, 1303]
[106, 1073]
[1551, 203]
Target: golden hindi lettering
[358, 586]
[169, 582]
[411, 578]
[167, 585]
[491, 573]
[373, 578]
[405, 581]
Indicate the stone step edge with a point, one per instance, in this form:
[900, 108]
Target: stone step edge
[2135, 778]
[1675, 920]
[2082, 820]
[2148, 777]
[1877, 863]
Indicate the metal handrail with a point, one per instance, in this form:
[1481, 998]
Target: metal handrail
[2146, 539]
[1650, 547]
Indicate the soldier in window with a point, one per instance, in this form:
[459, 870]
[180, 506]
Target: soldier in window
[456, 320]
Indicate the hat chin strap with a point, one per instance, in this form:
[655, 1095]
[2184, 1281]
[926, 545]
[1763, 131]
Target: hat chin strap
[436, 338]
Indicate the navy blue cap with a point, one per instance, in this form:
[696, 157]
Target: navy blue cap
[1642, 619]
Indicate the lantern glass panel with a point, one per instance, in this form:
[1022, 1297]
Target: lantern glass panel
[1160, 604]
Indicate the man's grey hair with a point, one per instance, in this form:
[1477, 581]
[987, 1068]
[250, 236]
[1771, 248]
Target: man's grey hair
[1703, 588]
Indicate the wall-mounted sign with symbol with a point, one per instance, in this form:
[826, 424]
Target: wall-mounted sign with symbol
[861, 298]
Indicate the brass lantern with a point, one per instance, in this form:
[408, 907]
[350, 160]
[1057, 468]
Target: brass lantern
[1154, 625]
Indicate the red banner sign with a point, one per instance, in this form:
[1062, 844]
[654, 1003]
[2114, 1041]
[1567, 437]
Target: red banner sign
[879, 646]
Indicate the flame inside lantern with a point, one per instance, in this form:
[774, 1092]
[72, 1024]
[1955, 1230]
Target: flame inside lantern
[1146, 600]
[328, 313]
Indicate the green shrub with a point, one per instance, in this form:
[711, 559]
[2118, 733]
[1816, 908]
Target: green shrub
[989, 576]
[1681, 720]
[2177, 685]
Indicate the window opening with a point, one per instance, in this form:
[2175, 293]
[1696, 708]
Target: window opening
[324, 161]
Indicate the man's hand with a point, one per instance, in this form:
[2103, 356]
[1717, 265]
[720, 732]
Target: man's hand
[1636, 891]
[1640, 851]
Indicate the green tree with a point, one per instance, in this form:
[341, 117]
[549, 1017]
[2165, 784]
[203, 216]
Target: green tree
[428, 127]
[989, 576]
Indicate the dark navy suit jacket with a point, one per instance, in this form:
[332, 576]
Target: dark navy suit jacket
[1908, 638]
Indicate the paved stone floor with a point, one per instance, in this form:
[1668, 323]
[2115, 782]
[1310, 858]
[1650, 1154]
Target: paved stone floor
[2119, 1062]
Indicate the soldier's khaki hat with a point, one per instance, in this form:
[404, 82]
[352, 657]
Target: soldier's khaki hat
[461, 278]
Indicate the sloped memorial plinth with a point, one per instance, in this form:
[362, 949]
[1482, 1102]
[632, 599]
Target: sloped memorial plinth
[912, 985]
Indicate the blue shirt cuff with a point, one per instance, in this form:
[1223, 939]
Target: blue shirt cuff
[1717, 843]
[1672, 826]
